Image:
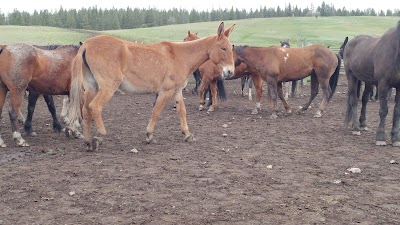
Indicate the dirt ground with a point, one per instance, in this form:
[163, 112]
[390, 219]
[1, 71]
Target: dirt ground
[291, 170]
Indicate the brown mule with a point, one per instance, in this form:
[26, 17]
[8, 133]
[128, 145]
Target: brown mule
[106, 63]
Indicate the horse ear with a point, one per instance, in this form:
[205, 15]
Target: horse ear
[229, 30]
[346, 40]
[80, 43]
[197, 33]
[188, 32]
[221, 30]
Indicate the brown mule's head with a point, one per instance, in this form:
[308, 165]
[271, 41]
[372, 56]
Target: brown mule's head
[221, 52]
[191, 36]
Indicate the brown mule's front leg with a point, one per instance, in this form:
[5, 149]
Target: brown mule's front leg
[213, 87]
[162, 99]
[181, 108]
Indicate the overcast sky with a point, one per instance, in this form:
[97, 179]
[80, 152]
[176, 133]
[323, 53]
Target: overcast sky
[52, 5]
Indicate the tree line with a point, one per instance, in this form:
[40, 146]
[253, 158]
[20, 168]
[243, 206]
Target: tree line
[95, 18]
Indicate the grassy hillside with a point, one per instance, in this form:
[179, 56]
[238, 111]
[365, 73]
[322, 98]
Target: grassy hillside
[257, 32]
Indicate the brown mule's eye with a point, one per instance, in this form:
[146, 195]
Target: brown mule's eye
[223, 48]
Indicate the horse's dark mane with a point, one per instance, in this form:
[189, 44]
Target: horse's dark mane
[54, 46]
[240, 48]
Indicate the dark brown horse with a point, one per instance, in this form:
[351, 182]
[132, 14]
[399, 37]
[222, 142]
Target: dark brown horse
[375, 61]
[277, 64]
[105, 63]
[25, 67]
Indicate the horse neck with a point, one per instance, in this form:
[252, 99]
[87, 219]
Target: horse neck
[245, 56]
[196, 52]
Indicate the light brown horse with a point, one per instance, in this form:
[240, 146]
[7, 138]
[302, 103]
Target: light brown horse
[105, 63]
[278, 64]
[43, 71]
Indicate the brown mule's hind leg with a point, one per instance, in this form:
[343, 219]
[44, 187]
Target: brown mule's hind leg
[162, 99]
[87, 118]
[14, 111]
[96, 107]
[3, 94]
[181, 108]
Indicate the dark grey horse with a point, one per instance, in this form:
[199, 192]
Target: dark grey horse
[375, 61]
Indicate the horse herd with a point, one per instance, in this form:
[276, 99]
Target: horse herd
[90, 73]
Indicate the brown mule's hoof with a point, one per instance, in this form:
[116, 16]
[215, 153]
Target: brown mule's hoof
[150, 139]
[190, 138]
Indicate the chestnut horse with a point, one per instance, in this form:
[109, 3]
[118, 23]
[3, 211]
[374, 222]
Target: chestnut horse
[25, 67]
[277, 64]
[375, 61]
[105, 63]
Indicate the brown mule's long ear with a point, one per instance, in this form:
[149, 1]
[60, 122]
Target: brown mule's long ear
[221, 30]
[188, 32]
[229, 30]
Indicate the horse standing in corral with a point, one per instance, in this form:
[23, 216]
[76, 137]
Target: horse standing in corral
[375, 61]
[105, 63]
[277, 64]
[25, 67]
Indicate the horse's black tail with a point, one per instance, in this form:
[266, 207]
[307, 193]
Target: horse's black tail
[335, 77]
[221, 90]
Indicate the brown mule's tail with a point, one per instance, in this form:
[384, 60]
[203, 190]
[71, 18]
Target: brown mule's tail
[75, 95]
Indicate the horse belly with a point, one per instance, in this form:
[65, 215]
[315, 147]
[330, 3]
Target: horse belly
[129, 87]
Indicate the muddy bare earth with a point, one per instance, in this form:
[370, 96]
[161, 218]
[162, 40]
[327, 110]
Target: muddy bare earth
[243, 169]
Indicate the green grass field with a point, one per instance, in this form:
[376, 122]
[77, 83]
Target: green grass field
[329, 31]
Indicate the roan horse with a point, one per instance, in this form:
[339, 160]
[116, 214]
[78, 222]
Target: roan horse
[25, 67]
[105, 63]
[373, 60]
[277, 64]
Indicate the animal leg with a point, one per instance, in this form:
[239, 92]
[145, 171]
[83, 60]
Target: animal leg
[250, 84]
[273, 92]
[14, 111]
[280, 94]
[383, 111]
[32, 99]
[181, 108]
[201, 93]
[314, 92]
[162, 99]
[96, 106]
[57, 127]
[396, 118]
[3, 94]
[325, 96]
[294, 89]
[258, 86]
[64, 109]
[213, 87]
[365, 99]
[287, 88]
